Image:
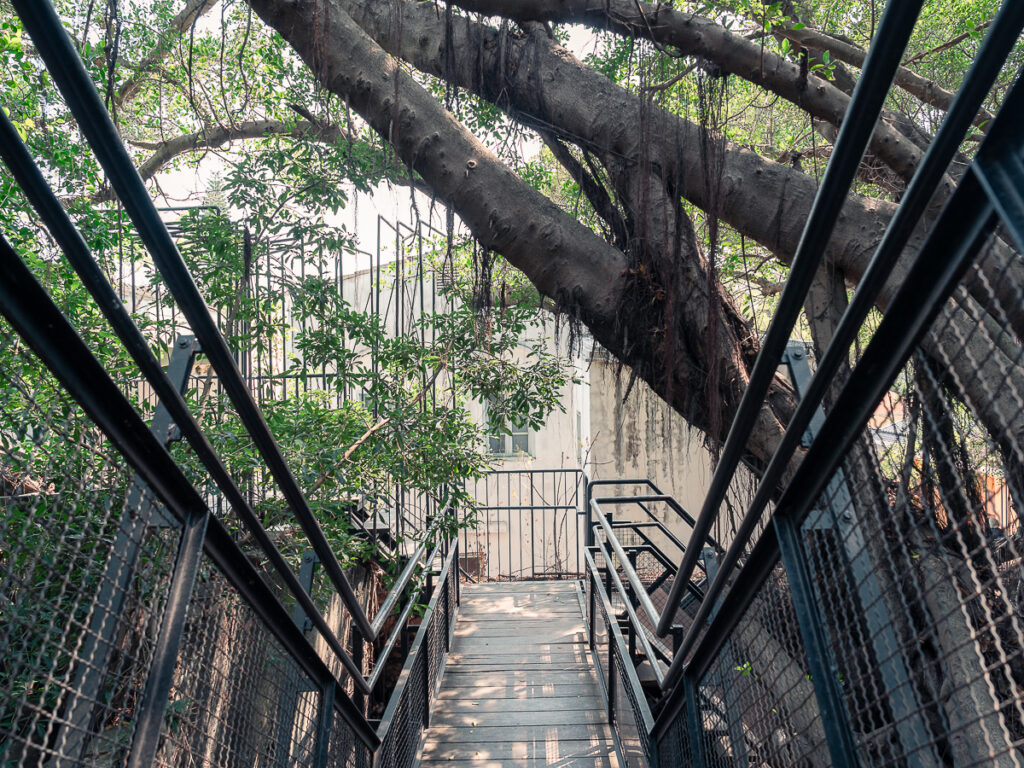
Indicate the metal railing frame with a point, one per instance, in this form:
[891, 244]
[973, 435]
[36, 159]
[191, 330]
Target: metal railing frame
[967, 203]
[599, 598]
[35, 317]
[575, 514]
[863, 112]
[85, 380]
[969, 219]
[421, 647]
[992, 191]
[72, 80]
[970, 96]
[32, 313]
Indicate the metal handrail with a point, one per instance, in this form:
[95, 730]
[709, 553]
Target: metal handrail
[638, 628]
[616, 636]
[380, 662]
[946, 254]
[404, 578]
[30, 178]
[71, 78]
[866, 104]
[639, 502]
[418, 643]
[672, 502]
[631, 574]
[35, 317]
[985, 68]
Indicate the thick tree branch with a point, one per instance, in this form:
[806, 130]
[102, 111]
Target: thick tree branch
[219, 135]
[928, 91]
[732, 53]
[562, 258]
[540, 83]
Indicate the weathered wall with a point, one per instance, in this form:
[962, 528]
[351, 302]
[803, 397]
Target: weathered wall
[640, 436]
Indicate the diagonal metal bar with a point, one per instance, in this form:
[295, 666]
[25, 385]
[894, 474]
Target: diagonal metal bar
[74, 83]
[862, 115]
[29, 309]
[976, 85]
[17, 158]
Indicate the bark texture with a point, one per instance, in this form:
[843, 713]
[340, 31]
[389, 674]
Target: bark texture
[732, 53]
[541, 84]
[566, 261]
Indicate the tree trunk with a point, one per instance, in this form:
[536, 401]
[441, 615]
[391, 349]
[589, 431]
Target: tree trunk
[566, 261]
[539, 83]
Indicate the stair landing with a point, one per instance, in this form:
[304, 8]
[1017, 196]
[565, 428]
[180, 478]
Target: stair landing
[519, 688]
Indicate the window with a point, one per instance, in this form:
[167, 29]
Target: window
[501, 444]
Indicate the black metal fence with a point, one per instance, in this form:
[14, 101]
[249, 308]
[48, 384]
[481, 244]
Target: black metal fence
[149, 614]
[408, 712]
[874, 617]
[139, 631]
[526, 524]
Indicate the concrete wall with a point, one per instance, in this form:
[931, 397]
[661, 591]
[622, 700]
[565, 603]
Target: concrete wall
[639, 436]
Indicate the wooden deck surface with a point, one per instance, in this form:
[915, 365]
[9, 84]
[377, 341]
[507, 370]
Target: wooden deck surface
[519, 689]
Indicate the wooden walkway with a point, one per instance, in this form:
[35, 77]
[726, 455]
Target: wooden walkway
[519, 689]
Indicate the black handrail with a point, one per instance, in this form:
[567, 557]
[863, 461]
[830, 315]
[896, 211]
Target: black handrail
[403, 579]
[35, 317]
[418, 643]
[638, 500]
[73, 81]
[986, 67]
[638, 586]
[615, 636]
[945, 256]
[380, 662]
[29, 177]
[866, 104]
[672, 502]
[638, 628]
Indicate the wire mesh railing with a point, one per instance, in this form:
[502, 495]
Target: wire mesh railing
[408, 712]
[146, 633]
[626, 702]
[154, 617]
[872, 619]
[108, 553]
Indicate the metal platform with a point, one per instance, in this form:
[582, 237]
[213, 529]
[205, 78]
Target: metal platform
[519, 688]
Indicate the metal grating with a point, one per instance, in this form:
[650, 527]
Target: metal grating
[757, 701]
[85, 562]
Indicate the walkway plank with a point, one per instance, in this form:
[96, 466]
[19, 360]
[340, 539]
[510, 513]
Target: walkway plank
[519, 690]
[536, 690]
[546, 704]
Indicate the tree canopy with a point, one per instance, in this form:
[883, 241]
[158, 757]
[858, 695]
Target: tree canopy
[652, 186]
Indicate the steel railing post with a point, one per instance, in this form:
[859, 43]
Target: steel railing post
[99, 641]
[425, 650]
[822, 667]
[612, 688]
[306, 572]
[588, 519]
[325, 721]
[150, 716]
[693, 723]
[357, 653]
[592, 582]
[908, 711]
